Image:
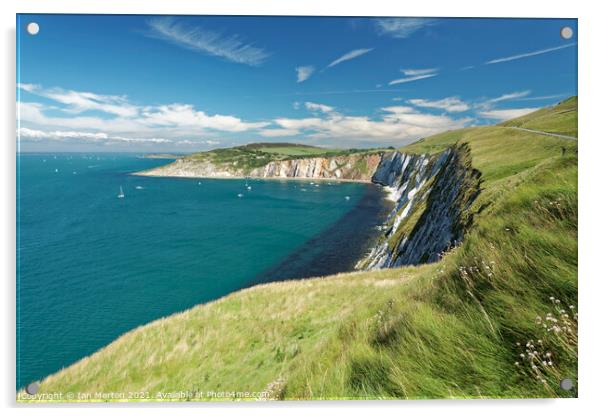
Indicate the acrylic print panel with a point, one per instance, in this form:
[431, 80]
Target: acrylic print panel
[282, 208]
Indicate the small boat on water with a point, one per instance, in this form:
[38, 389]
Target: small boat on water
[139, 187]
[249, 188]
[347, 198]
[120, 194]
[240, 195]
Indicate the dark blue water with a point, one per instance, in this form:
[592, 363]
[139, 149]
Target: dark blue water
[92, 266]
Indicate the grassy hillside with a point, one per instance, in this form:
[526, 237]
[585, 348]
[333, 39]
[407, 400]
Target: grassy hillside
[289, 149]
[456, 328]
[559, 119]
[257, 155]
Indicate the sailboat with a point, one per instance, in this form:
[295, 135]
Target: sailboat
[121, 194]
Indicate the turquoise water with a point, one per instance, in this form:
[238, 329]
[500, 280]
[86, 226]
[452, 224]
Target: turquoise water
[91, 266]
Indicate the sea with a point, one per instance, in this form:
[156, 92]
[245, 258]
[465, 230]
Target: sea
[92, 265]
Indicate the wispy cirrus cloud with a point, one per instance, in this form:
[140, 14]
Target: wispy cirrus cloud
[229, 47]
[542, 97]
[349, 56]
[529, 54]
[449, 104]
[415, 75]
[489, 103]
[509, 96]
[401, 27]
[304, 72]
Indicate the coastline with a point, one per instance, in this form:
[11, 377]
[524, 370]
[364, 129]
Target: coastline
[269, 178]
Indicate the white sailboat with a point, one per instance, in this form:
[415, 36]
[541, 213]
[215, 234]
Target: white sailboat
[121, 194]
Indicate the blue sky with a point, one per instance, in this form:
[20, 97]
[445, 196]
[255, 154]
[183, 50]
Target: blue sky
[187, 83]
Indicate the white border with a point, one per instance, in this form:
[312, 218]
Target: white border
[590, 150]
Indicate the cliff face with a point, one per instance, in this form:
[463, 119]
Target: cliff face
[354, 167]
[432, 195]
[359, 167]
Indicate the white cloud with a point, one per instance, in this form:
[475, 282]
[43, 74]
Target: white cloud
[230, 47]
[510, 96]
[278, 132]
[185, 115]
[410, 79]
[528, 54]
[348, 56]
[423, 71]
[126, 117]
[26, 133]
[172, 123]
[28, 87]
[187, 142]
[397, 124]
[119, 121]
[304, 72]
[415, 75]
[318, 107]
[507, 114]
[401, 27]
[542, 97]
[450, 104]
[79, 102]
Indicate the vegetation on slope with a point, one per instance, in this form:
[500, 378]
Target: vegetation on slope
[559, 119]
[256, 155]
[467, 326]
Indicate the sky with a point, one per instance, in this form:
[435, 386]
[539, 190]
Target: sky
[191, 83]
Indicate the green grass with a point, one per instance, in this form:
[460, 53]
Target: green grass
[435, 144]
[447, 329]
[290, 149]
[559, 119]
